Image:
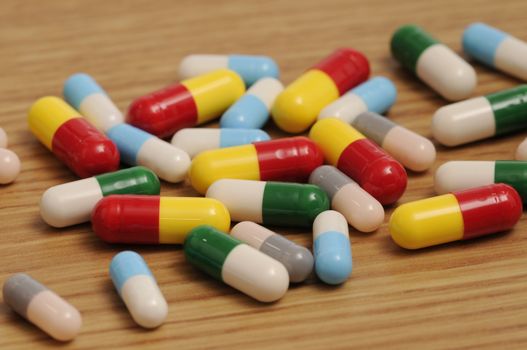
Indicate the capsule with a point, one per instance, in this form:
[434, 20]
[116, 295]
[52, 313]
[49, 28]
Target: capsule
[461, 175]
[361, 159]
[237, 264]
[72, 203]
[298, 106]
[252, 110]
[459, 215]
[192, 102]
[251, 68]
[332, 248]
[297, 260]
[71, 138]
[9, 166]
[481, 117]
[154, 219]
[521, 151]
[496, 49]
[288, 159]
[270, 203]
[3, 138]
[42, 307]
[139, 290]
[360, 209]
[375, 95]
[196, 140]
[434, 63]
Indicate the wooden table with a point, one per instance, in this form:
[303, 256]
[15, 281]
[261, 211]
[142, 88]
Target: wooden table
[460, 295]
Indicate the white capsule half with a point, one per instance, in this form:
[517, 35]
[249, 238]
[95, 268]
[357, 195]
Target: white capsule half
[9, 166]
[234, 195]
[460, 175]
[521, 151]
[3, 138]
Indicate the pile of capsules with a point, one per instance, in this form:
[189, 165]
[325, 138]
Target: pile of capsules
[248, 178]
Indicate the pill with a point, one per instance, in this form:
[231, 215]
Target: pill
[269, 202]
[461, 175]
[375, 95]
[361, 159]
[9, 166]
[521, 151]
[192, 102]
[297, 260]
[3, 138]
[236, 264]
[83, 93]
[481, 117]
[298, 106]
[154, 219]
[332, 248]
[252, 110]
[71, 138]
[42, 307]
[455, 216]
[433, 62]
[72, 203]
[288, 159]
[196, 140]
[250, 67]
[360, 209]
[138, 288]
[496, 49]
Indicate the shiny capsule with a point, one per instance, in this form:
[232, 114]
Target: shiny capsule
[288, 159]
[9, 166]
[270, 203]
[196, 140]
[360, 209]
[434, 63]
[42, 307]
[297, 260]
[71, 138]
[298, 106]
[154, 219]
[192, 102]
[236, 264]
[361, 159]
[138, 288]
[72, 203]
[459, 215]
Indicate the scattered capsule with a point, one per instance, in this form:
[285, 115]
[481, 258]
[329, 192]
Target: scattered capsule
[496, 49]
[192, 102]
[332, 248]
[138, 288]
[153, 219]
[196, 140]
[289, 159]
[434, 63]
[360, 209]
[42, 307]
[270, 203]
[72, 203]
[297, 260]
[250, 68]
[252, 110]
[375, 95]
[361, 159]
[9, 166]
[481, 117]
[459, 215]
[71, 138]
[521, 151]
[237, 264]
[298, 106]
[3, 138]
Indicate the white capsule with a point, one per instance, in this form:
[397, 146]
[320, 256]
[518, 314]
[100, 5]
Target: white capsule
[460, 175]
[521, 151]
[3, 138]
[9, 166]
[243, 198]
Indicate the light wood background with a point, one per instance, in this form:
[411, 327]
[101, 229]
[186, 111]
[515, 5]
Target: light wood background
[460, 295]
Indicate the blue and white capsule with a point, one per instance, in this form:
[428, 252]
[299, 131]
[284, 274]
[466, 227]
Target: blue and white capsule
[196, 140]
[375, 95]
[139, 290]
[250, 68]
[252, 110]
[332, 248]
[496, 49]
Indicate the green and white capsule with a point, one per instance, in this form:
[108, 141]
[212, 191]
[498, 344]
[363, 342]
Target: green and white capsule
[237, 264]
[481, 117]
[461, 175]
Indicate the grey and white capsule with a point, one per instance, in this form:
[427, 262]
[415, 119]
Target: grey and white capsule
[297, 260]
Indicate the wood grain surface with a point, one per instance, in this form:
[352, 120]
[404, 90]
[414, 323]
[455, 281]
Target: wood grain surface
[463, 295]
